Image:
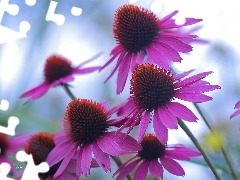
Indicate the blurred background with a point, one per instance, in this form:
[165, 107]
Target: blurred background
[28, 36]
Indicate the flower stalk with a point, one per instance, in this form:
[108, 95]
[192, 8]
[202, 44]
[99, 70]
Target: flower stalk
[195, 142]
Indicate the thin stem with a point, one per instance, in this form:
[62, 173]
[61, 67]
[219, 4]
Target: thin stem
[119, 164]
[66, 88]
[195, 142]
[225, 155]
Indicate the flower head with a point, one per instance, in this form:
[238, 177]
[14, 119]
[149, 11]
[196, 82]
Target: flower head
[85, 135]
[139, 34]
[237, 112]
[10, 146]
[153, 90]
[154, 156]
[58, 70]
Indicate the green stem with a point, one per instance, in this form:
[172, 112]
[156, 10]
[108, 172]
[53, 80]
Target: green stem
[66, 88]
[119, 164]
[195, 142]
[225, 155]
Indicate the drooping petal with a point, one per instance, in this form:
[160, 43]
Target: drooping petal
[91, 59]
[108, 145]
[175, 43]
[181, 153]
[182, 75]
[172, 166]
[143, 125]
[127, 169]
[181, 111]
[192, 79]
[65, 162]
[127, 143]
[160, 130]
[102, 158]
[167, 118]
[236, 113]
[59, 152]
[86, 159]
[63, 80]
[79, 162]
[193, 97]
[141, 171]
[237, 105]
[123, 73]
[156, 169]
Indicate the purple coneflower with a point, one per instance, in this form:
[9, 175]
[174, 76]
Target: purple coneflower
[10, 146]
[153, 90]
[85, 135]
[154, 156]
[237, 112]
[40, 145]
[139, 34]
[58, 70]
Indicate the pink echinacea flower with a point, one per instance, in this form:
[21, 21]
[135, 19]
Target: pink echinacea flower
[155, 156]
[85, 135]
[140, 34]
[237, 112]
[58, 70]
[153, 90]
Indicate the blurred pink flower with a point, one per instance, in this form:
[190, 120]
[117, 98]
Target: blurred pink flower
[155, 156]
[58, 70]
[153, 89]
[85, 134]
[237, 112]
[10, 146]
[140, 34]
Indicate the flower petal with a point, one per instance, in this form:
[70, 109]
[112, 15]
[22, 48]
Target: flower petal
[126, 169]
[181, 153]
[102, 158]
[236, 113]
[181, 111]
[237, 105]
[160, 130]
[86, 160]
[108, 145]
[172, 166]
[143, 125]
[156, 169]
[141, 171]
[193, 97]
[167, 118]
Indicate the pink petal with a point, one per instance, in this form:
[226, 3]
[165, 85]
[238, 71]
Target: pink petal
[79, 162]
[176, 44]
[160, 130]
[108, 145]
[86, 159]
[193, 97]
[156, 169]
[127, 143]
[172, 166]
[66, 160]
[123, 73]
[158, 57]
[192, 79]
[59, 152]
[102, 158]
[86, 70]
[143, 125]
[141, 171]
[133, 61]
[198, 88]
[164, 19]
[115, 52]
[237, 105]
[181, 111]
[91, 59]
[182, 75]
[236, 113]
[167, 118]
[126, 169]
[168, 51]
[181, 153]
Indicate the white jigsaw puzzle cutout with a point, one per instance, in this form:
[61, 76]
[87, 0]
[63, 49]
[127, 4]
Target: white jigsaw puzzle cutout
[10, 130]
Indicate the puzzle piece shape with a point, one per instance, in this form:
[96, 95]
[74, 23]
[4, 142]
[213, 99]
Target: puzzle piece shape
[4, 171]
[31, 171]
[10, 130]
